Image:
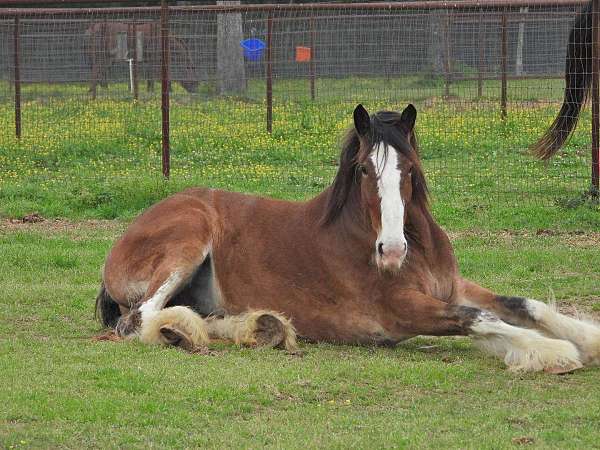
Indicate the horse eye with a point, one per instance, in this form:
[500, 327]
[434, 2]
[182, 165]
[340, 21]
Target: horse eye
[363, 169]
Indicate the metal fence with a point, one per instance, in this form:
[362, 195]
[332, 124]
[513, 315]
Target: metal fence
[487, 77]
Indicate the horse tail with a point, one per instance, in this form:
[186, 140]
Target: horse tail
[107, 310]
[578, 79]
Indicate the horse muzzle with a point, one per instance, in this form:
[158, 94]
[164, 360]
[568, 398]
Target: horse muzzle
[390, 257]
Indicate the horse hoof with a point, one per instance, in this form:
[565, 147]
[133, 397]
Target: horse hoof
[129, 323]
[269, 331]
[562, 369]
[177, 338]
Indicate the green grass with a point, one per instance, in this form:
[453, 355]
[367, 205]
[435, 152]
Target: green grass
[519, 227]
[61, 389]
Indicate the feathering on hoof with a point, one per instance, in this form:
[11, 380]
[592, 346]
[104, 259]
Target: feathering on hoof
[177, 325]
[255, 328]
[581, 331]
[525, 350]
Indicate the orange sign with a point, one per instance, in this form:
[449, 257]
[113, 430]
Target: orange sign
[303, 54]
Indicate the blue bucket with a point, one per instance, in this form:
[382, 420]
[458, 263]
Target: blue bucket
[253, 49]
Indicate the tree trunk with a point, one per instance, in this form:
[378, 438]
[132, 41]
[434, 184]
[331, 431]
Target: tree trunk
[230, 58]
[438, 32]
[520, 42]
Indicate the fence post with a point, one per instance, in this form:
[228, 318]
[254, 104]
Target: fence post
[447, 53]
[133, 41]
[595, 95]
[311, 67]
[269, 72]
[164, 56]
[504, 62]
[17, 68]
[480, 39]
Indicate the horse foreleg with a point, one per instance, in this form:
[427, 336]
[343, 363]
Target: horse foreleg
[155, 324]
[585, 334]
[178, 326]
[254, 329]
[521, 349]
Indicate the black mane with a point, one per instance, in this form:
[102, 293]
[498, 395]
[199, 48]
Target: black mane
[386, 128]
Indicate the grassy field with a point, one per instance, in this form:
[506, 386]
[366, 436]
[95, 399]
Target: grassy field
[84, 159]
[59, 388]
[519, 228]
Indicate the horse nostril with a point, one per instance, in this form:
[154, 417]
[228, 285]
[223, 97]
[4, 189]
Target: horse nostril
[380, 249]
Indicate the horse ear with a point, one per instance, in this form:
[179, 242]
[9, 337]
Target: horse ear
[362, 121]
[409, 117]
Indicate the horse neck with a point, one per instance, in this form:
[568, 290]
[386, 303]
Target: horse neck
[351, 225]
[421, 227]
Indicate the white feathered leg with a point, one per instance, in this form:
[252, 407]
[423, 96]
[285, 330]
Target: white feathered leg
[255, 328]
[523, 349]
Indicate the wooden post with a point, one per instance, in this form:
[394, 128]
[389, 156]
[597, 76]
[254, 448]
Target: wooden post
[480, 68]
[16, 55]
[269, 73]
[447, 54]
[134, 42]
[504, 62]
[311, 67]
[152, 57]
[94, 82]
[164, 56]
[595, 95]
[104, 54]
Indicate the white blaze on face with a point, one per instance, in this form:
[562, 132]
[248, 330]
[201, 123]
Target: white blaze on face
[391, 235]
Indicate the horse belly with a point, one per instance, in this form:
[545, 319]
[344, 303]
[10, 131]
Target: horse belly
[201, 293]
[317, 311]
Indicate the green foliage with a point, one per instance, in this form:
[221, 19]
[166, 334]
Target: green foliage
[101, 159]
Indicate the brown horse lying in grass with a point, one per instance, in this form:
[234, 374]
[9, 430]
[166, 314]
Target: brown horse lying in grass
[364, 262]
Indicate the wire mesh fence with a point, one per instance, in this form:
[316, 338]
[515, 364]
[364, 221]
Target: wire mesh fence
[487, 81]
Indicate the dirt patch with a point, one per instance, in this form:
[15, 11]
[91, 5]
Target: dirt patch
[35, 222]
[56, 226]
[583, 307]
[523, 440]
[109, 335]
[577, 238]
[32, 218]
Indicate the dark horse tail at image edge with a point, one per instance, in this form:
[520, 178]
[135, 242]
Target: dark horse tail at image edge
[578, 81]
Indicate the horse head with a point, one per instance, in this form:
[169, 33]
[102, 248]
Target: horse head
[380, 164]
